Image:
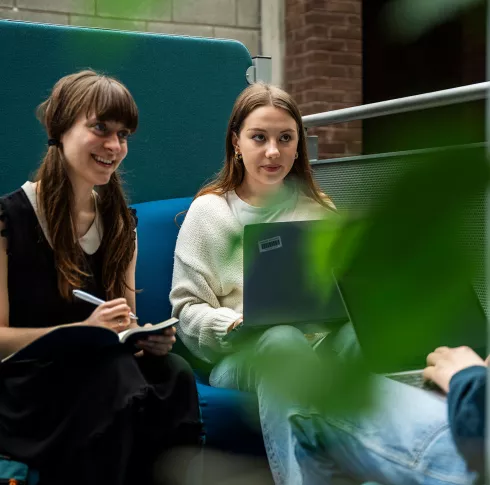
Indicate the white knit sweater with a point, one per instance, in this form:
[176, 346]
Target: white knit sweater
[207, 285]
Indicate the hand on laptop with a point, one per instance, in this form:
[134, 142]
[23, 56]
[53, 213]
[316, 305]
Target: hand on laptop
[234, 324]
[444, 362]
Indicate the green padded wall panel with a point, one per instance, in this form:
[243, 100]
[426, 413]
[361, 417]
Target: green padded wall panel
[355, 183]
[184, 87]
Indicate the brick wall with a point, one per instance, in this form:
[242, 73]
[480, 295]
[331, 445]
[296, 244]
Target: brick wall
[323, 66]
[233, 19]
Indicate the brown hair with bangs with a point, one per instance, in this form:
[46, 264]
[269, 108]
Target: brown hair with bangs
[88, 93]
[231, 176]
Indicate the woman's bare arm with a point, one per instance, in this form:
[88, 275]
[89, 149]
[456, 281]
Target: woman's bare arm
[11, 339]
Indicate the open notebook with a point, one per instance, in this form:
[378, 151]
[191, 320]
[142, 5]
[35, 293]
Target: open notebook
[68, 339]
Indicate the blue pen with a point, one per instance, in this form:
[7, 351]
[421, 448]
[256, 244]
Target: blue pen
[82, 295]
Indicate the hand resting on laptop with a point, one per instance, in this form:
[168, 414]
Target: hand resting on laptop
[445, 362]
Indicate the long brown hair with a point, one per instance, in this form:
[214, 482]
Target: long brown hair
[231, 175]
[88, 93]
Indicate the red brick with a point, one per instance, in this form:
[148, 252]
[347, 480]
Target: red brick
[324, 74]
[344, 6]
[353, 45]
[299, 97]
[318, 131]
[355, 71]
[322, 70]
[314, 4]
[352, 98]
[291, 62]
[316, 57]
[315, 69]
[310, 30]
[294, 72]
[354, 124]
[325, 19]
[349, 85]
[348, 135]
[341, 32]
[347, 59]
[354, 20]
[302, 84]
[332, 147]
[354, 149]
[298, 48]
[323, 95]
[322, 45]
[341, 105]
[315, 107]
[349, 124]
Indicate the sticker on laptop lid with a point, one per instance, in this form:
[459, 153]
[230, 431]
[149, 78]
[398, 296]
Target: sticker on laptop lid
[270, 244]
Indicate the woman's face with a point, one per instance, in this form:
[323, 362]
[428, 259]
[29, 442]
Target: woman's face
[93, 149]
[268, 142]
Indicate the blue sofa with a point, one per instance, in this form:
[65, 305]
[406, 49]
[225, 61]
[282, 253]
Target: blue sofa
[230, 417]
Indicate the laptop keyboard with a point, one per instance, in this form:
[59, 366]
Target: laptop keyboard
[416, 379]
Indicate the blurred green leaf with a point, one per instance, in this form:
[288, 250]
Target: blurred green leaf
[407, 20]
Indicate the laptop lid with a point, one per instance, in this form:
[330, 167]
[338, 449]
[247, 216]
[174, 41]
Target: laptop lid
[279, 279]
[397, 330]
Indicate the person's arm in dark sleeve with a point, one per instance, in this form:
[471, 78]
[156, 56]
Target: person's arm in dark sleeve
[466, 408]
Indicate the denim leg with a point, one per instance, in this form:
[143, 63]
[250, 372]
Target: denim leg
[274, 368]
[343, 343]
[403, 440]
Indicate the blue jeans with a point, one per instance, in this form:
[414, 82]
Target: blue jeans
[255, 369]
[404, 439]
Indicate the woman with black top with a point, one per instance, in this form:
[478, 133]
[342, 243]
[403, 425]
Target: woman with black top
[104, 417]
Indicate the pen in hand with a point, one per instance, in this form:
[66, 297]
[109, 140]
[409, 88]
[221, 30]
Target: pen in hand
[82, 295]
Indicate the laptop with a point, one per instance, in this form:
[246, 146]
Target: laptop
[396, 346]
[279, 281]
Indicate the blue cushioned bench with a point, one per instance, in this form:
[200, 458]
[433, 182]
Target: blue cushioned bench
[226, 413]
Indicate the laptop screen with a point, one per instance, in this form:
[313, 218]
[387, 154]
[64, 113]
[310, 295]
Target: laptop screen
[281, 284]
[397, 327]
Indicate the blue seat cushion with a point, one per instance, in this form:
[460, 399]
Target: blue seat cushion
[230, 417]
[231, 420]
[158, 226]
[157, 233]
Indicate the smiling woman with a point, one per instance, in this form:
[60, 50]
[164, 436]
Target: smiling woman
[87, 116]
[89, 140]
[108, 414]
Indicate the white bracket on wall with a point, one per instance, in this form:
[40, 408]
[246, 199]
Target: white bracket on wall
[260, 70]
[312, 146]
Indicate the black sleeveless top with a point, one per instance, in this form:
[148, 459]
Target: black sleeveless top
[34, 299]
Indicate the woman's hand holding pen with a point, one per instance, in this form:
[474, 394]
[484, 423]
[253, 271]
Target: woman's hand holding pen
[113, 314]
[158, 345]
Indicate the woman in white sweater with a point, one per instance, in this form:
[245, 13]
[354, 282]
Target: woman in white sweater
[266, 178]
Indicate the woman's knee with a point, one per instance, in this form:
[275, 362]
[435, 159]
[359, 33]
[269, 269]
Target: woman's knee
[167, 369]
[281, 338]
[180, 366]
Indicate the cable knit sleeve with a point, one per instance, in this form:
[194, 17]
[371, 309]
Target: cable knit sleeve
[202, 259]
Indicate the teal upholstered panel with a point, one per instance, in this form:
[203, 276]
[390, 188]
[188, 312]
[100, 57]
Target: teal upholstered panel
[184, 88]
